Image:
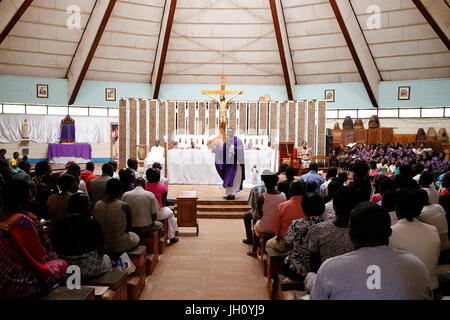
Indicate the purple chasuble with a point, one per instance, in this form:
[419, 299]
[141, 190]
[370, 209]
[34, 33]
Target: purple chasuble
[227, 162]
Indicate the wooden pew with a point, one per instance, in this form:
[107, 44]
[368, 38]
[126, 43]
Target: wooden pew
[162, 244]
[285, 284]
[64, 293]
[274, 262]
[137, 256]
[115, 281]
[152, 245]
[262, 250]
[136, 280]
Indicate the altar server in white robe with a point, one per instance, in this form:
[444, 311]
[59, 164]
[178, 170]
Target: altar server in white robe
[156, 155]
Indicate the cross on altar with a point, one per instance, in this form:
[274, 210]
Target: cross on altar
[222, 101]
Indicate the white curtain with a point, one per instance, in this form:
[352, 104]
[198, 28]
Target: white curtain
[47, 128]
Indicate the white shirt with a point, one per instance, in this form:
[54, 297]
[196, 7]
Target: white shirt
[82, 187]
[420, 239]
[433, 195]
[329, 210]
[417, 177]
[143, 204]
[434, 215]
[324, 188]
[156, 152]
[116, 176]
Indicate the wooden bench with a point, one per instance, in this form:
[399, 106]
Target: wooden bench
[151, 258]
[162, 243]
[135, 285]
[137, 256]
[285, 284]
[150, 263]
[274, 262]
[262, 247]
[115, 281]
[64, 293]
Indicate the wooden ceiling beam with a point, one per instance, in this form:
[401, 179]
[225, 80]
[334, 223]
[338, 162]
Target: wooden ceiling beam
[279, 24]
[88, 45]
[163, 45]
[358, 46]
[437, 14]
[10, 13]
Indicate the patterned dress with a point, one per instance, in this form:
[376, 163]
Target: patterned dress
[305, 156]
[295, 238]
[23, 269]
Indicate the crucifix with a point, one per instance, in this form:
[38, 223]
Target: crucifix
[222, 101]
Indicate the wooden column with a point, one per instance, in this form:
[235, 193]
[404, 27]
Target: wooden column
[152, 128]
[291, 132]
[181, 117]
[191, 117]
[321, 137]
[273, 121]
[242, 117]
[133, 133]
[233, 117]
[143, 122]
[311, 124]
[212, 118]
[171, 122]
[202, 117]
[282, 129]
[162, 120]
[263, 118]
[122, 133]
[301, 111]
[253, 118]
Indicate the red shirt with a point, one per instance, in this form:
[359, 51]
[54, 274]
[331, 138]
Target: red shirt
[287, 211]
[158, 189]
[87, 176]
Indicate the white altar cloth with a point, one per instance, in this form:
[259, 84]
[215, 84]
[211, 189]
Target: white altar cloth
[198, 167]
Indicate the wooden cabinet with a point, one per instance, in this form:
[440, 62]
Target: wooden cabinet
[187, 209]
[361, 135]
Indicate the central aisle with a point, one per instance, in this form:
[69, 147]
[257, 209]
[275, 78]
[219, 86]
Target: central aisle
[213, 265]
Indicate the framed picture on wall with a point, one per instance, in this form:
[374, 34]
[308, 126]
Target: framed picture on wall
[110, 94]
[329, 95]
[42, 90]
[404, 93]
[114, 141]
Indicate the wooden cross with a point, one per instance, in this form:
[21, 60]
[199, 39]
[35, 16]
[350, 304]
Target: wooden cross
[222, 91]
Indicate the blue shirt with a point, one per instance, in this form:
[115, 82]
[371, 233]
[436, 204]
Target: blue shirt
[313, 176]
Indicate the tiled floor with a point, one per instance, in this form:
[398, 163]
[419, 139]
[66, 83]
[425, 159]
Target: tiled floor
[213, 265]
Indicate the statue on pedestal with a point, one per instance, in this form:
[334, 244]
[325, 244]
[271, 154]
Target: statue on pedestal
[25, 130]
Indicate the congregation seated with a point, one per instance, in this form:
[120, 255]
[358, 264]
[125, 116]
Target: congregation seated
[282, 172]
[382, 185]
[334, 186]
[296, 265]
[345, 277]
[27, 268]
[408, 206]
[87, 175]
[144, 209]
[114, 216]
[98, 185]
[252, 215]
[311, 186]
[114, 166]
[266, 206]
[74, 168]
[283, 186]
[287, 212]
[78, 239]
[361, 179]
[57, 204]
[331, 174]
[24, 171]
[2, 154]
[14, 162]
[160, 191]
[159, 167]
[313, 176]
[127, 179]
[445, 183]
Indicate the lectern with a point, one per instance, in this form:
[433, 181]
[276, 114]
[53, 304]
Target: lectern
[187, 209]
[286, 152]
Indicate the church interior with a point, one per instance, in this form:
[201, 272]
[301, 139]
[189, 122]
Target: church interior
[224, 150]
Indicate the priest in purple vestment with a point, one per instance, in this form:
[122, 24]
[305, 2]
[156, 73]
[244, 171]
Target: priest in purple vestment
[230, 164]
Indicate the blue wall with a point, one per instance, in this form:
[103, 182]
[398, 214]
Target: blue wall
[424, 93]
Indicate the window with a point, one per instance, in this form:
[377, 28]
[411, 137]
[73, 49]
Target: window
[432, 112]
[113, 112]
[14, 108]
[58, 110]
[331, 114]
[387, 113]
[447, 112]
[409, 113]
[366, 113]
[36, 109]
[102, 112]
[344, 113]
[74, 111]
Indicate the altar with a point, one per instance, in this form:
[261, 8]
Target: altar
[61, 153]
[198, 166]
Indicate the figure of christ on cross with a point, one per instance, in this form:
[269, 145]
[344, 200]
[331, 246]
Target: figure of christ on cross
[222, 101]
